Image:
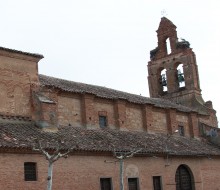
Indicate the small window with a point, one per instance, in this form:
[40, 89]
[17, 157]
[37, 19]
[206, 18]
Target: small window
[106, 183]
[102, 121]
[30, 172]
[157, 182]
[133, 184]
[181, 130]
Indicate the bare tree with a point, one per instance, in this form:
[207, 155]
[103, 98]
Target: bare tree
[121, 156]
[51, 157]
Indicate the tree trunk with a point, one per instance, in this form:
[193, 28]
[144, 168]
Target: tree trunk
[121, 174]
[50, 175]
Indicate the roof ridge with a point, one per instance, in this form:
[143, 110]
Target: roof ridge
[66, 80]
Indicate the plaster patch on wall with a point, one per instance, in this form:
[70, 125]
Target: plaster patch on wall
[132, 171]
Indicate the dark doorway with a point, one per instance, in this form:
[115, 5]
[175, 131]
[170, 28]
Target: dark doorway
[157, 182]
[106, 183]
[133, 184]
[184, 178]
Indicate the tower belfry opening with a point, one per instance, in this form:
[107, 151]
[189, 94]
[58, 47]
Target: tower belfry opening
[180, 76]
[168, 46]
[163, 80]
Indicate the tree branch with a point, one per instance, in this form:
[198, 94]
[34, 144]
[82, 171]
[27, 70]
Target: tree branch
[41, 149]
[126, 155]
[55, 155]
[131, 154]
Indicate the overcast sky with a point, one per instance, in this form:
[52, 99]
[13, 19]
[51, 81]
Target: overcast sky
[107, 42]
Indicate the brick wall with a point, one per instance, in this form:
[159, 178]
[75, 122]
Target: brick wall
[84, 110]
[20, 63]
[183, 120]
[107, 108]
[84, 172]
[69, 110]
[17, 73]
[15, 93]
[159, 121]
[134, 118]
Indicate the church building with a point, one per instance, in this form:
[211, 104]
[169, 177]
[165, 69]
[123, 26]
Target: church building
[168, 141]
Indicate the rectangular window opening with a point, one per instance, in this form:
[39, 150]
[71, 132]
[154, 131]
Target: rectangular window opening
[102, 121]
[133, 184]
[30, 171]
[106, 183]
[157, 182]
[181, 130]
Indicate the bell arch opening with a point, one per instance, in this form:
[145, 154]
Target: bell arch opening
[180, 76]
[163, 80]
[168, 46]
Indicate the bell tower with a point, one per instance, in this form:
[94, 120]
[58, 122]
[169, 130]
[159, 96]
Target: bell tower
[173, 71]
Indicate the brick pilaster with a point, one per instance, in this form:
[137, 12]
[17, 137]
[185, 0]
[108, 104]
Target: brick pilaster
[148, 117]
[172, 81]
[193, 125]
[120, 113]
[88, 113]
[171, 121]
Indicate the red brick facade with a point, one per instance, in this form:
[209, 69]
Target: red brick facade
[84, 172]
[49, 103]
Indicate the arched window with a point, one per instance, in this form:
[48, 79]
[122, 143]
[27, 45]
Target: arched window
[180, 76]
[163, 80]
[168, 46]
[184, 178]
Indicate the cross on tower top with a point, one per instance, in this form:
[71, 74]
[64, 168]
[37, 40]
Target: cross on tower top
[163, 13]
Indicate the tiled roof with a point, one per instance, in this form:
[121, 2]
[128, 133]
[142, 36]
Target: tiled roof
[21, 134]
[22, 52]
[108, 93]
